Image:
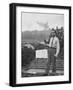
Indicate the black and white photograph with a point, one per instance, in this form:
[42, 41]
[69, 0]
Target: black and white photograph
[40, 40]
[42, 46]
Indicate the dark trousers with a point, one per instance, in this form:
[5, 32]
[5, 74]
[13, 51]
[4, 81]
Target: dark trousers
[51, 60]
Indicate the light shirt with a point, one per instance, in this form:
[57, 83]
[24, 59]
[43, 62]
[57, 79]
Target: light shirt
[54, 42]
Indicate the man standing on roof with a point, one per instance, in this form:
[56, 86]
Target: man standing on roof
[53, 52]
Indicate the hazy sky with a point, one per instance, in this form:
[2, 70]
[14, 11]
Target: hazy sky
[29, 21]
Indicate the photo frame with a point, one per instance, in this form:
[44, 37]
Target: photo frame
[34, 58]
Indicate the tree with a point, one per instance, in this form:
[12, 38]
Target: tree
[60, 35]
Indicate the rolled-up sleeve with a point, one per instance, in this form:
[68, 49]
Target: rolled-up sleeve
[57, 47]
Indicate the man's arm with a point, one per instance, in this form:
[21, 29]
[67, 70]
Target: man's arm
[49, 44]
[57, 48]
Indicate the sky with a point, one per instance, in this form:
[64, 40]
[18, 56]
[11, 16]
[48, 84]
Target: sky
[29, 21]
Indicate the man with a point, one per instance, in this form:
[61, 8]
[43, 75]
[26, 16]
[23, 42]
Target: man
[53, 51]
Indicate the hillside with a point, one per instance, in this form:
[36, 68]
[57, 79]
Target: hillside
[35, 35]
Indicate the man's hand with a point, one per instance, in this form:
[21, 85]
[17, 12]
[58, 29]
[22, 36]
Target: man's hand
[55, 55]
[48, 45]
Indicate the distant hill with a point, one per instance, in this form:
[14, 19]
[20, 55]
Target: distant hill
[35, 35]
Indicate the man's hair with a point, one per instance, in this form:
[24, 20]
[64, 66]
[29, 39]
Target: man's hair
[53, 31]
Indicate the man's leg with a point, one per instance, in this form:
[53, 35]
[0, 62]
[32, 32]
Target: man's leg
[53, 64]
[48, 63]
[53, 60]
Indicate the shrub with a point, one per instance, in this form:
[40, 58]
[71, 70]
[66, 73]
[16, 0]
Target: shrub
[28, 54]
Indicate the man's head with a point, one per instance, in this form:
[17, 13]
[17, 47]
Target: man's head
[53, 33]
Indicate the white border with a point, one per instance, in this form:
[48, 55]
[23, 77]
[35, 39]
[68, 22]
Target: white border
[65, 77]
